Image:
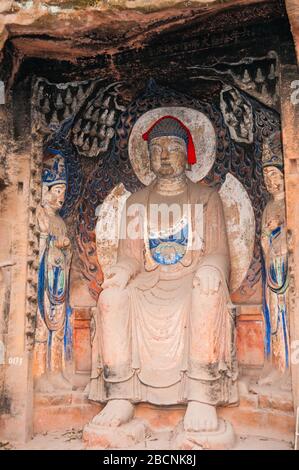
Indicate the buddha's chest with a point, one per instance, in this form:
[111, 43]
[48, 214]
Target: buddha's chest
[168, 231]
[169, 248]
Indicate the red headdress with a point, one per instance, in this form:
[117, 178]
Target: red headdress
[171, 126]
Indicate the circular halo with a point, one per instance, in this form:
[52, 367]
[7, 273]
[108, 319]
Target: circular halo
[202, 132]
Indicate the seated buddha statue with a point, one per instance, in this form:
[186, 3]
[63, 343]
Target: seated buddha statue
[165, 321]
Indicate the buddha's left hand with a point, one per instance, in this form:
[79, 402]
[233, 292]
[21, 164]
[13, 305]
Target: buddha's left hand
[207, 280]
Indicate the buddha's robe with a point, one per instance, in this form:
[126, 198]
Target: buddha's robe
[161, 339]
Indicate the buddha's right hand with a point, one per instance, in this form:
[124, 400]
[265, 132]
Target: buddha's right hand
[117, 277]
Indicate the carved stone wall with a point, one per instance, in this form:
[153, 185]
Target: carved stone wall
[290, 122]
[16, 396]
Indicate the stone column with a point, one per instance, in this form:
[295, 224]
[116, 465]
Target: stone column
[16, 396]
[290, 126]
[292, 7]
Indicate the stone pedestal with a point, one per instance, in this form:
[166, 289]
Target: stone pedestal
[121, 437]
[221, 439]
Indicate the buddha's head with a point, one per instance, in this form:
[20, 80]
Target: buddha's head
[170, 146]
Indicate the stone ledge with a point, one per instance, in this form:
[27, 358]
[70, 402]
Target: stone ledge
[70, 398]
[273, 401]
[260, 422]
[270, 415]
[60, 418]
[280, 403]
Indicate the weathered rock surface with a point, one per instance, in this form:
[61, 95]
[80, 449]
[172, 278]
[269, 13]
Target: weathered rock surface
[104, 26]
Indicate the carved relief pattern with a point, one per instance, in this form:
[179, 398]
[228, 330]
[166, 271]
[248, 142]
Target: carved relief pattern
[259, 76]
[33, 236]
[54, 103]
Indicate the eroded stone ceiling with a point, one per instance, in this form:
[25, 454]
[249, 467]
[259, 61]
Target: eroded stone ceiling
[72, 35]
[89, 27]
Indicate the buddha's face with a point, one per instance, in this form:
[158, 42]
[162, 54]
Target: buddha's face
[273, 179]
[168, 156]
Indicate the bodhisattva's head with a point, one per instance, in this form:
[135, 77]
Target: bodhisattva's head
[54, 183]
[168, 156]
[54, 196]
[274, 180]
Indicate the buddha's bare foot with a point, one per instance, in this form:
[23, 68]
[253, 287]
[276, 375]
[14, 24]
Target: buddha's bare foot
[115, 413]
[200, 417]
[43, 385]
[59, 382]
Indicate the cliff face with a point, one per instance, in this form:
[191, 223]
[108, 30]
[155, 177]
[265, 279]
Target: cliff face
[101, 25]
[93, 31]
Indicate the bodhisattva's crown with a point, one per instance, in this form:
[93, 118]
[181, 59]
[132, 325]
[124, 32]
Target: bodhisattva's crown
[272, 151]
[55, 174]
